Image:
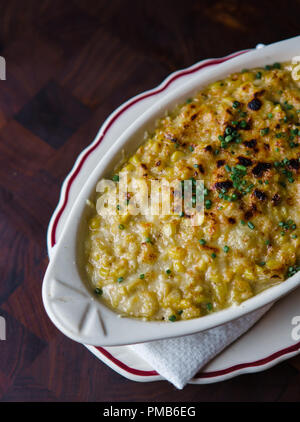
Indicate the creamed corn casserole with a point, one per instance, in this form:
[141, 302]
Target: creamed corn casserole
[241, 136]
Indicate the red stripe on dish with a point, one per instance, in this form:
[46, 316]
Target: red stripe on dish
[75, 172]
[114, 118]
[212, 374]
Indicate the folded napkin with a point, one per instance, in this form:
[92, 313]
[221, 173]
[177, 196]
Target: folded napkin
[179, 359]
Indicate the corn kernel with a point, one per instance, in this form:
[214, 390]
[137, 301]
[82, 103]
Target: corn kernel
[135, 160]
[273, 264]
[177, 252]
[94, 223]
[178, 266]
[249, 275]
[169, 229]
[177, 155]
[103, 272]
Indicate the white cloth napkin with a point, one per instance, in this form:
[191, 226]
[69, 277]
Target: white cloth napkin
[179, 359]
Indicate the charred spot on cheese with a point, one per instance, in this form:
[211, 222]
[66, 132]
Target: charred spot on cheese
[276, 199]
[220, 163]
[259, 194]
[294, 164]
[245, 125]
[208, 148]
[201, 169]
[193, 117]
[224, 186]
[248, 214]
[250, 144]
[231, 220]
[261, 168]
[211, 248]
[255, 104]
[244, 161]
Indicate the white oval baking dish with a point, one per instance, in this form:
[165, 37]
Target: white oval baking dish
[68, 299]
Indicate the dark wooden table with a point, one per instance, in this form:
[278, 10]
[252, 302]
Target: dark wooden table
[69, 65]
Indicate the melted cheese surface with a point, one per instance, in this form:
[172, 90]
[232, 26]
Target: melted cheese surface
[241, 136]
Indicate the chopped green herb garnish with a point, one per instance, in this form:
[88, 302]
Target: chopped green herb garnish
[208, 204]
[251, 225]
[98, 291]
[264, 131]
[172, 318]
[241, 167]
[209, 307]
[293, 270]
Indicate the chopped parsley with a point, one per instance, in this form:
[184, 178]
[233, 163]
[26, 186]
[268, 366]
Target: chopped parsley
[98, 291]
[209, 307]
[172, 318]
[251, 225]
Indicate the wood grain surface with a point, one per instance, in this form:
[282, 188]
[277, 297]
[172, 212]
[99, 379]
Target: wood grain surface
[69, 65]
